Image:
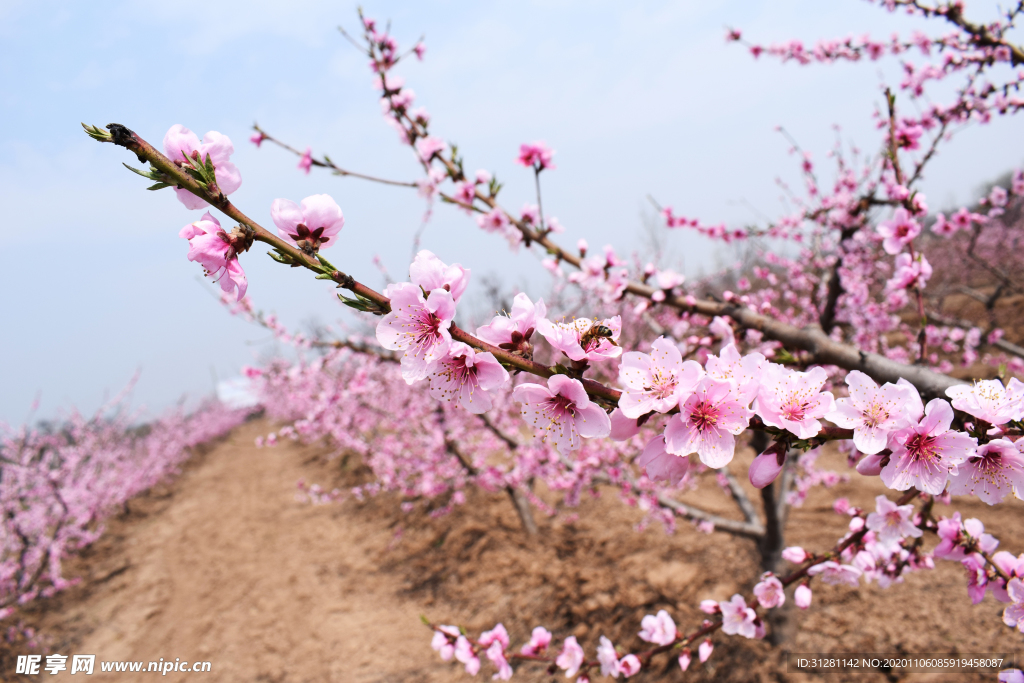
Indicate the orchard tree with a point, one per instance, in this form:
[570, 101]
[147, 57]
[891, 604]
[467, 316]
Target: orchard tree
[841, 336]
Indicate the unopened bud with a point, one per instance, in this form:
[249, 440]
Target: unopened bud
[871, 465]
[768, 465]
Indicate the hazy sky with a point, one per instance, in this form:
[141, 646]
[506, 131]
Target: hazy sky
[636, 98]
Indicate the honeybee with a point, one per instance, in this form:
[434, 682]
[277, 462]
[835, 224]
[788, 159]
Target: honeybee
[594, 334]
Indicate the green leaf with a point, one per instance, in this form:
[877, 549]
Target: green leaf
[158, 186]
[97, 133]
[151, 174]
[280, 257]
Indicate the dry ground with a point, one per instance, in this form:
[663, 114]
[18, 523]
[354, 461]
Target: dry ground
[225, 565]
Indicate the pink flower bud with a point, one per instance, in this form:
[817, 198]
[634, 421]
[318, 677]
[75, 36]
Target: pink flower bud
[794, 554]
[684, 660]
[871, 465]
[629, 665]
[768, 465]
[704, 651]
[802, 596]
[709, 606]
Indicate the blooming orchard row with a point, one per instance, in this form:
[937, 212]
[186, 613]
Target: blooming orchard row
[840, 334]
[59, 483]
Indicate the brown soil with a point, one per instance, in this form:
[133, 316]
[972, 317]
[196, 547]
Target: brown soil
[225, 565]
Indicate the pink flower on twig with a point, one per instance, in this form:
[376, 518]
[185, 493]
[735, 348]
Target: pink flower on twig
[659, 629]
[216, 252]
[660, 465]
[571, 657]
[737, 618]
[465, 376]
[418, 326]
[561, 413]
[994, 471]
[707, 424]
[314, 223]
[891, 522]
[898, 232]
[584, 339]
[430, 273]
[306, 161]
[872, 412]
[656, 381]
[989, 400]
[923, 454]
[793, 400]
[180, 142]
[535, 155]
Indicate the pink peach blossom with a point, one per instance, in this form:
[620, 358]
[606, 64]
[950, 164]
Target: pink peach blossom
[910, 272]
[898, 232]
[496, 654]
[659, 464]
[892, 522]
[770, 592]
[466, 376]
[494, 220]
[629, 665]
[315, 222]
[418, 326]
[512, 331]
[767, 466]
[872, 412]
[802, 596]
[737, 618]
[180, 142]
[1013, 614]
[571, 657]
[306, 161]
[561, 413]
[623, 427]
[994, 471]
[924, 454]
[608, 658]
[656, 381]
[743, 372]
[443, 642]
[989, 400]
[214, 250]
[794, 554]
[540, 638]
[569, 338]
[659, 629]
[430, 273]
[535, 155]
[428, 147]
[793, 400]
[707, 424]
[834, 573]
[465, 654]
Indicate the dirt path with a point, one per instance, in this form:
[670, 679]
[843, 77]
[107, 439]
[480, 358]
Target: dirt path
[235, 571]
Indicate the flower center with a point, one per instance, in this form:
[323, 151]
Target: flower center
[922, 448]
[794, 411]
[875, 415]
[704, 416]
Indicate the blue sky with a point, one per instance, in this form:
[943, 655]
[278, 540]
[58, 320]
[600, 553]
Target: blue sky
[636, 98]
